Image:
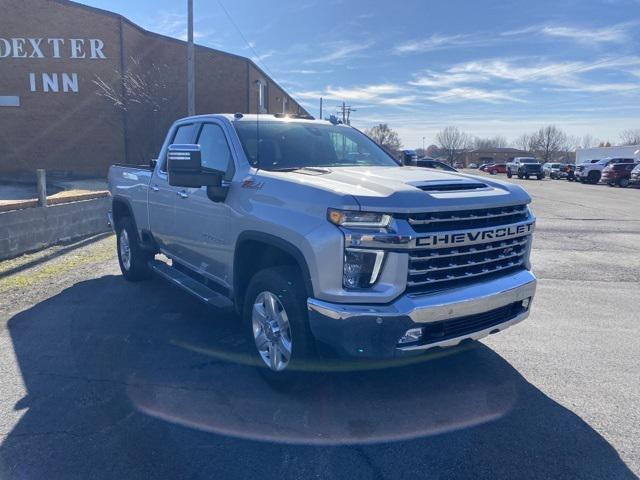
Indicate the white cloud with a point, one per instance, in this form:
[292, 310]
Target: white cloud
[434, 42]
[173, 25]
[459, 94]
[340, 51]
[617, 33]
[377, 94]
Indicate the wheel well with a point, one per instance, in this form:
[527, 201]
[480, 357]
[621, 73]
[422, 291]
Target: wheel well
[253, 255]
[119, 210]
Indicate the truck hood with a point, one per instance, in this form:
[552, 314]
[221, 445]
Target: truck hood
[406, 189]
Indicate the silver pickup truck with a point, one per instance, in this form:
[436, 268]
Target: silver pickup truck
[317, 236]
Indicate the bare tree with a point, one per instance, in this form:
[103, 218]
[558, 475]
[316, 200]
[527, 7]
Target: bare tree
[589, 141]
[386, 137]
[143, 94]
[630, 136]
[525, 142]
[489, 143]
[453, 142]
[549, 141]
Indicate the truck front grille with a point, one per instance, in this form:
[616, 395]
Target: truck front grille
[432, 269]
[468, 219]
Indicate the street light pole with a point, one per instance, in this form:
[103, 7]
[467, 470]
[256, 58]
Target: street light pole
[423, 152]
[191, 81]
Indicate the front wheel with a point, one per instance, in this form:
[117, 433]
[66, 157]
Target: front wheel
[493, 172]
[623, 182]
[132, 257]
[540, 177]
[275, 316]
[509, 174]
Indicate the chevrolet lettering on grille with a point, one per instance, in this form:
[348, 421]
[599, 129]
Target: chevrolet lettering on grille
[475, 236]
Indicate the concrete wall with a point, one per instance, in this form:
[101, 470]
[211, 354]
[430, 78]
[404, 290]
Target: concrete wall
[23, 231]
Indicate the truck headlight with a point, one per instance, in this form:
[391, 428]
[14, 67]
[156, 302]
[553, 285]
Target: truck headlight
[354, 219]
[361, 267]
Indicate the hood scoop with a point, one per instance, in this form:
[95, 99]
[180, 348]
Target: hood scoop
[451, 187]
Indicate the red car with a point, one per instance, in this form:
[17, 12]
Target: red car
[496, 168]
[617, 174]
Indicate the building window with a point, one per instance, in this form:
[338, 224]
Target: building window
[262, 97]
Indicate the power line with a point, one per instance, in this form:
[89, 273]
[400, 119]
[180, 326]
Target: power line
[256, 56]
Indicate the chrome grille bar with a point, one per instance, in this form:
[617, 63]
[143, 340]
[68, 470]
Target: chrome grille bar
[466, 275]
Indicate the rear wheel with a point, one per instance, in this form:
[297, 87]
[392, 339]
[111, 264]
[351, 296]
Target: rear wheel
[623, 182]
[540, 176]
[132, 257]
[275, 316]
[593, 177]
[493, 172]
[509, 174]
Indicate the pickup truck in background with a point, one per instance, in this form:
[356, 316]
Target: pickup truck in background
[525, 167]
[317, 237]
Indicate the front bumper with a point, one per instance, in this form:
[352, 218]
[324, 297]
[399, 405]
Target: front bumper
[474, 311]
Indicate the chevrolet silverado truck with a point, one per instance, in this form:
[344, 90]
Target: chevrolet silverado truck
[317, 237]
[525, 167]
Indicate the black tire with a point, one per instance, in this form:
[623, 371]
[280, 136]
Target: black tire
[287, 285]
[135, 268]
[509, 174]
[493, 172]
[541, 176]
[594, 177]
[520, 176]
[623, 182]
[526, 176]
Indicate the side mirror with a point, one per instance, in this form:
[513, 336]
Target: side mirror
[184, 168]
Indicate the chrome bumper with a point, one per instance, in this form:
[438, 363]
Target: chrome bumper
[347, 326]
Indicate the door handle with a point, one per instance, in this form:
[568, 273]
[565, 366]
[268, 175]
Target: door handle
[183, 194]
[155, 188]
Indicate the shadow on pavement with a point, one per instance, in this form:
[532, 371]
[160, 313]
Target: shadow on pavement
[121, 383]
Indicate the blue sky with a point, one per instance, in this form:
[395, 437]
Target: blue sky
[487, 67]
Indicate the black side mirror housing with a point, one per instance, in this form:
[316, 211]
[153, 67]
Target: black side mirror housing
[184, 168]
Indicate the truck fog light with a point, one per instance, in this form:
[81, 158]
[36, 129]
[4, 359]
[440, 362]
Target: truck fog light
[411, 335]
[361, 267]
[526, 302]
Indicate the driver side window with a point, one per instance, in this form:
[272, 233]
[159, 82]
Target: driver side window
[215, 149]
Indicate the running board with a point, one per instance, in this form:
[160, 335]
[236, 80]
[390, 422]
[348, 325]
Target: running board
[202, 292]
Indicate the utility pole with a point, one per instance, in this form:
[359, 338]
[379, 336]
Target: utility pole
[320, 108]
[423, 152]
[345, 110]
[191, 81]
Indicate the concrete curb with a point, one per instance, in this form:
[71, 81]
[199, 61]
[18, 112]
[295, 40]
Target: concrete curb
[22, 204]
[31, 229]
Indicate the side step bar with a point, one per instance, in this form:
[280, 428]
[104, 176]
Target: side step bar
[202, 292]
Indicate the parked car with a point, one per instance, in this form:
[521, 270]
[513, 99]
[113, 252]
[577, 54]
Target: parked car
[496, 168]
[431, 163]
[482, 167]
[617, 174]
[473, 165]
[458, 165]
[267, 222]
[635, 176]
[552, 170]
[591, 172]
[525, 167]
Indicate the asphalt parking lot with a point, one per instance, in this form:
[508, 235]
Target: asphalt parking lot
[105, 379]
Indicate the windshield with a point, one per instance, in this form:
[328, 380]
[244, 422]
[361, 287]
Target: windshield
[528, 160]
[293, 145]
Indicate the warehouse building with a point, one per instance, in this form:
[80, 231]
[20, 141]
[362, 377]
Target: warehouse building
[82, 88]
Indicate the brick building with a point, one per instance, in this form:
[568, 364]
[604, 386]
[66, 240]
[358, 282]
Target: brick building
[82, 88]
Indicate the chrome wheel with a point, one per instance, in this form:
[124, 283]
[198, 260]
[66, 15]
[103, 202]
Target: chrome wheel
[125, 249]
[271, 331]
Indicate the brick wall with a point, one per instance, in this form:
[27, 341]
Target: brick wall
[83, 133]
